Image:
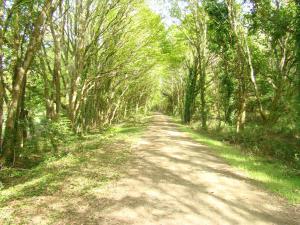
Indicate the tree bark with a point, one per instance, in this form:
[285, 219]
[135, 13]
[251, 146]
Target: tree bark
[2, 90]
[58, 43]
[190, 95]
[297, 47]
[203, 71]
[253, 80]
[241, 112]
[8, 153]
[78, 63]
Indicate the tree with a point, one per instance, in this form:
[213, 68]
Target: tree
[19, 81]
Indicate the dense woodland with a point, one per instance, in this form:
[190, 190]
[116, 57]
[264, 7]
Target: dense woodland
[69, 67]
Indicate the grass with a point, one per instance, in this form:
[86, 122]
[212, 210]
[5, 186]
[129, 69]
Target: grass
[272, 175]
[82, 169]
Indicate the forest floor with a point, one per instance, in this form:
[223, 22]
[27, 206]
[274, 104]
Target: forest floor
[163, 177]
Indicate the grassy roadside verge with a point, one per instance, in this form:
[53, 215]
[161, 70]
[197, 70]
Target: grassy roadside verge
[273, 176]
[82, 170]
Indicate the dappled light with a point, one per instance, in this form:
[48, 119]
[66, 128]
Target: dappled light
[161, 112]
[55, 187]
[175, 180]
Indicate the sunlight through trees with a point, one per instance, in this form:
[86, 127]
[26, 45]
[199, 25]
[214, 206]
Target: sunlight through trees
[73, 66]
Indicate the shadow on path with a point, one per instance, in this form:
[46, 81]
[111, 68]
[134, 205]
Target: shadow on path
[171, 180]
[175, 180]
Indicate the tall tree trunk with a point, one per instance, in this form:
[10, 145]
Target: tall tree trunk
[47, 96]
[1, 104]
[241, 112]
[117, 105]
[22, 128]
[58, 43]
[78, 60]
[253, 80]
[202, 80]
[190, 95]
[12, 121]
[241, 115]
[297, 38]
[203, 109]
[2, 5]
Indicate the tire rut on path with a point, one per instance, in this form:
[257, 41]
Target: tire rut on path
[174, 180]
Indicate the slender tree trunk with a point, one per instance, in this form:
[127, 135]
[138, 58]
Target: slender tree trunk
[202, 86]
[241, 117]
[1, 106]
[297, 47]
[56, 77]
[253, 80]
[203, 58]
[241, 112]
[47, 96]
[78, 63]
[22, 128]
[203, 109]
[2, 90]
[58, 43]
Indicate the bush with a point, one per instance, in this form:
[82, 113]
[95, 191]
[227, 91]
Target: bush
[48, 135]
[260, 141]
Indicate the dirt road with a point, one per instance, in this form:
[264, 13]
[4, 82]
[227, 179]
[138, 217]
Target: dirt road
[175, 180]
[169, 180]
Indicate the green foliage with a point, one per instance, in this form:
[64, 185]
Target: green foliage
[45, 141]
[218, 26]
[57, 132]
[246, 73]
[99, 63]
[91, 64]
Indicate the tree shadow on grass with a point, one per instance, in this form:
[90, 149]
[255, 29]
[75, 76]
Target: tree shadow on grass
[86, 159]
[170, 177]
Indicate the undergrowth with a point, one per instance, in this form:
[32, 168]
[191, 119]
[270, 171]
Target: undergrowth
[273, 175]
[85, 163]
